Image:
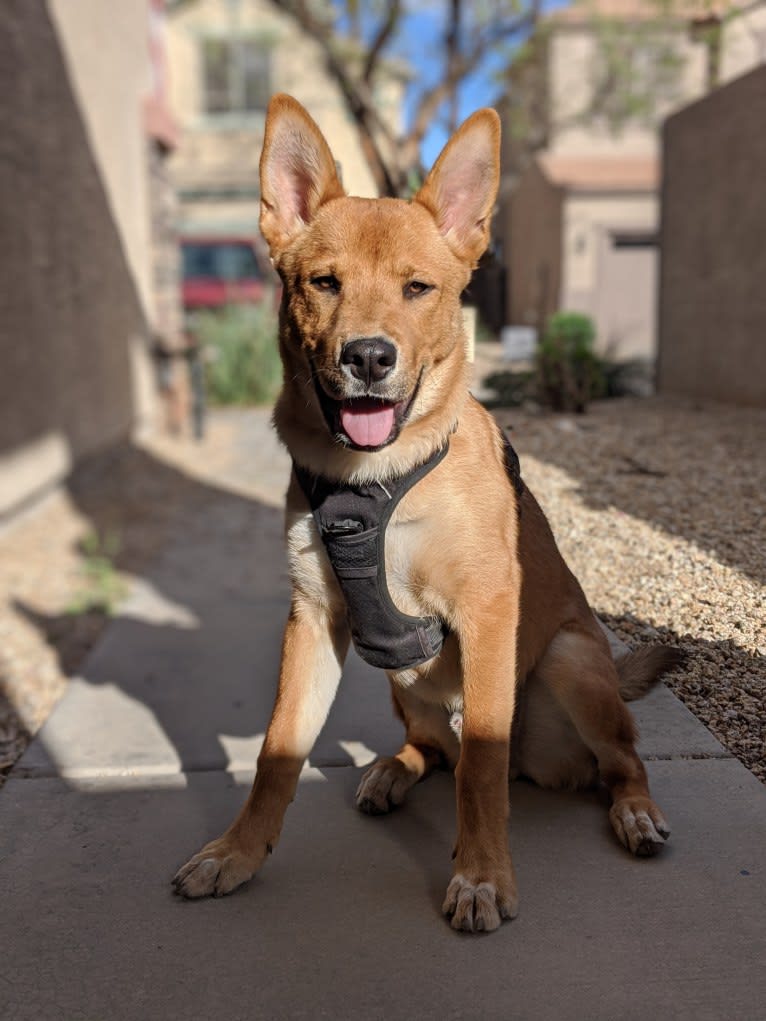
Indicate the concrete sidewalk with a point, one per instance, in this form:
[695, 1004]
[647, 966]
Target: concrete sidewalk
[151, 752]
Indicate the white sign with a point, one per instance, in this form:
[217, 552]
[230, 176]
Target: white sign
[519, 343]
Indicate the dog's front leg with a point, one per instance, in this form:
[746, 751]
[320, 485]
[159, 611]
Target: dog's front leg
[483, 889]
[313, 652]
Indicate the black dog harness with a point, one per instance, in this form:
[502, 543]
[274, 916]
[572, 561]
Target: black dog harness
[352, 521]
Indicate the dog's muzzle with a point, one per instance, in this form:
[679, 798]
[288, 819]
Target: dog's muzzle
[370, 421]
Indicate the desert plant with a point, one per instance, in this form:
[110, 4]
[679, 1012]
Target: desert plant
[103, 587]
[241, 353]
[568, 372]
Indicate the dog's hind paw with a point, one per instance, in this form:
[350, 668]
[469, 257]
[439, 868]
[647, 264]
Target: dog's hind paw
[383, 786]
[477, 907]
[640, 825]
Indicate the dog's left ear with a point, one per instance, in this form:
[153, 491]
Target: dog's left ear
[298, 172]
[461, 189]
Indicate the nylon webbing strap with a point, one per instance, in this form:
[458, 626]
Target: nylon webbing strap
[352, 522]
[513, 467]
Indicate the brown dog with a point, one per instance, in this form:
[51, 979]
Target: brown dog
[375, 386]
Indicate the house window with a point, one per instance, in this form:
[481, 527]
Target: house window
[237, 75]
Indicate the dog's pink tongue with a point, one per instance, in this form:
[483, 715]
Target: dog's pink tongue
[367, 423]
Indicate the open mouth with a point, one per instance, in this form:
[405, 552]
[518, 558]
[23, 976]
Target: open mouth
[364, 423]
[367, 422]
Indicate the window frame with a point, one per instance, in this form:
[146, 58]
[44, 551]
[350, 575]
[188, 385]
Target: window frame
[236, 50]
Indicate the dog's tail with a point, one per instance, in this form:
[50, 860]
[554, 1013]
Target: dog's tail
[640, 670]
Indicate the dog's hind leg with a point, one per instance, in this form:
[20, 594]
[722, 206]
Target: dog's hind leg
[579, 671]
[430, 743]
[545, 745]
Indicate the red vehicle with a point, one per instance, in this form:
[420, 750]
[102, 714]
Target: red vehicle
[219, 271]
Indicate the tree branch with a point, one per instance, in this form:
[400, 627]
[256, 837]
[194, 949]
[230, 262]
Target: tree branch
[462, 66]
[357, 94]
[385, 31]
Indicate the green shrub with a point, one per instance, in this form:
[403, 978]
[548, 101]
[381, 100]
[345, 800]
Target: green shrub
[568, 372]
[241, 353]
[102, 586]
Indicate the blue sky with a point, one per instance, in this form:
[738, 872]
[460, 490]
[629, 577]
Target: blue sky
[481, 89]
[420, 44]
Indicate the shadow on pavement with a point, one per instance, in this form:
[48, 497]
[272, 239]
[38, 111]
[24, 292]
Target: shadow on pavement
[209, 569]
[183, 677]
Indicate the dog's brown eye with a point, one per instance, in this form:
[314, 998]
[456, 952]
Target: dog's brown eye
[415, 288]
[326, 283]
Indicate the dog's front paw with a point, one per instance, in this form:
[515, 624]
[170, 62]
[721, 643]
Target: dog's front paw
[480, 905]
[383, 786]
[640, 825]
[220, 867]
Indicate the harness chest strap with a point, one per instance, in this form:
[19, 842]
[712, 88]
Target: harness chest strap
[352, 521]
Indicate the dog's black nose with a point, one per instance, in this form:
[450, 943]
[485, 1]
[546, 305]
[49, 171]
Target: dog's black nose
[370, 359]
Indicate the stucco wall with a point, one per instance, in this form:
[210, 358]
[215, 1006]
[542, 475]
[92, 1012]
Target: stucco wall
[597, 277]
[574, 54]
[74, 221]
[532, 236]
[586, 219]
[713, 267]
[744, 42]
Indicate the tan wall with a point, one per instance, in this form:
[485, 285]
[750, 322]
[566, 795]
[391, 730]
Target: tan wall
[744, 43]
[105, 50]
[75, 266]
[625, 310]
[593, 279]
[573, 52]
[586, 219]
[712, 293]
[532, 253]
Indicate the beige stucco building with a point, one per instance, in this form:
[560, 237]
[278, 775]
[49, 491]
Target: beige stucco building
[579, 222]
[227, 57]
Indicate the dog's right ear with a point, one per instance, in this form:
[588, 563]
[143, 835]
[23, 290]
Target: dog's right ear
[298, 172]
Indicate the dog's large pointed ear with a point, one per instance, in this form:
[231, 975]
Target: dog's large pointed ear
[298, 172]
[461, 189]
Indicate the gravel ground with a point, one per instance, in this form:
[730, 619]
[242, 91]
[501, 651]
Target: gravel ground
[656, 505]
[658, 508]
